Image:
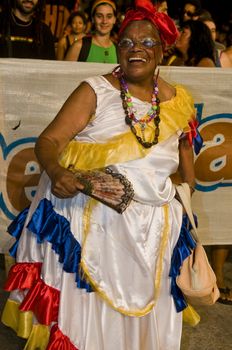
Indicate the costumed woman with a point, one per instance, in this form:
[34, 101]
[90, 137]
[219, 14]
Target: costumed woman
[89, 276]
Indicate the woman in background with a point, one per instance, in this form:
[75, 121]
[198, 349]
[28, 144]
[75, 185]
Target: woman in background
[77, 24]
[99, 47]
[194, 47]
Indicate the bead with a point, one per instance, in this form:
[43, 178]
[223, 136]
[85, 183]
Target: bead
[130, 113]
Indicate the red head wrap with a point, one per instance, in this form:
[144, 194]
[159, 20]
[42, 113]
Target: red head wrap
[145, 10]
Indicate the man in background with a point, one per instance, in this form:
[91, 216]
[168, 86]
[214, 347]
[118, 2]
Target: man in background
[23, 34]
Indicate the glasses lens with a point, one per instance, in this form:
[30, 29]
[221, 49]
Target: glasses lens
[148, 43]
[125, 43]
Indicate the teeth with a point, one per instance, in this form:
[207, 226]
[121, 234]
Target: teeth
[137, 59]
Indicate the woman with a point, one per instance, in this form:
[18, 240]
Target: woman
[99, 47]
[77, 23]
[99, 277]
[195, 45]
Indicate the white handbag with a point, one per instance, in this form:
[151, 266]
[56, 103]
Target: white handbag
[197, 280]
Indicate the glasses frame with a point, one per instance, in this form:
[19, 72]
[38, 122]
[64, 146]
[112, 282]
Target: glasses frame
[141, 42]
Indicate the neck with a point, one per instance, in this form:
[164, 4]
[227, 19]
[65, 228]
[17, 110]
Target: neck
[102, 40]
[22, 16]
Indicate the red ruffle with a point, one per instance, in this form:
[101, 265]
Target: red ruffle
[43, 300]
[192, 133]
[23, 276]
[59, 341]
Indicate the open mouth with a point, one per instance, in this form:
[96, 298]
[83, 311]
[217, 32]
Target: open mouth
[137, 59]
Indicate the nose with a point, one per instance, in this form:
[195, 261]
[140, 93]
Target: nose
[137, 45]
[104, 19]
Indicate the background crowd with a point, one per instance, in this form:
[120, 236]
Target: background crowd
[84, 31]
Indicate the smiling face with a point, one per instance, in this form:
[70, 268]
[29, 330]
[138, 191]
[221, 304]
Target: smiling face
[104, 19]
[139, 62]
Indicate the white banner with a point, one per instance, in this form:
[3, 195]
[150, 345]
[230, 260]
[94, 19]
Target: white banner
[32, 92]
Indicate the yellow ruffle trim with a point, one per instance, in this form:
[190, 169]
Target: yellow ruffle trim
[22, 323]
[174, 114]
[103, 294]
[190, 316]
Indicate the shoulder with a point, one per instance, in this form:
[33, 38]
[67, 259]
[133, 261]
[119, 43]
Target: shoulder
[226, 58]
[206, 62]
[166, 90]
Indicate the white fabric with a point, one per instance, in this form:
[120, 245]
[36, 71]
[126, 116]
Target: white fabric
[32, 91]
[121, 251]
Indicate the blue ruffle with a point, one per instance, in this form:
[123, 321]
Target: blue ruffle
[49, 226]
[182, 250]
[197, 142]
[15, 230]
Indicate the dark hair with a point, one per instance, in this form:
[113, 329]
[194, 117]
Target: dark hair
[77, 14]
[7, 7]
[196, 4]
[205, 16]
[201, 44]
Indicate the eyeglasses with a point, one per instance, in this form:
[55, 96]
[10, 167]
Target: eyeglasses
[189, 14]
[146, 43]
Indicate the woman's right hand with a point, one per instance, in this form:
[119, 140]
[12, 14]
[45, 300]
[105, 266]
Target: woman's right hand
[64, 184]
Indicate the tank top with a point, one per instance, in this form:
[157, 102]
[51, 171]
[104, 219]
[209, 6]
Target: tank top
[102, 54]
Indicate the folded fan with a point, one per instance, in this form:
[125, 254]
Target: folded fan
[112, 189]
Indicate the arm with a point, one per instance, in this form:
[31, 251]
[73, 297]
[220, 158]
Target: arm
[71, 119]
[186, 163]
[74, 51]
[61, 48]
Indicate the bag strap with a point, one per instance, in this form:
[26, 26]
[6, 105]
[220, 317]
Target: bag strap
[184, 193]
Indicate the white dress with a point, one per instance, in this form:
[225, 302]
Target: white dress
[125, 257]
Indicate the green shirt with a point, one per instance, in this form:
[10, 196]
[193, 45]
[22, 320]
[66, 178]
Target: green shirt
[102, 54]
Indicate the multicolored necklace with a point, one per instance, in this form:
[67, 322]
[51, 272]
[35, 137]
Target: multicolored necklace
[130, 111]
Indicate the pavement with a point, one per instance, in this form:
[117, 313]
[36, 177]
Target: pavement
[214, 332]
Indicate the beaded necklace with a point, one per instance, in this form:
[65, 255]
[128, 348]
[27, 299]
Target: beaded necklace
[130, 112]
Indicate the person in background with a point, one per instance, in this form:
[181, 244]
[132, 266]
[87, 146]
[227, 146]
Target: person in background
[223, 55]
[191, 10]
[77, 26]
[206, 18]
[23, 33]
[99, 278]
[162, 6]
[194, 47]
[98, 47]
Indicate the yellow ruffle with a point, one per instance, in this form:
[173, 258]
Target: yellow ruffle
[174, 114]
[22, 323]
[190, 316]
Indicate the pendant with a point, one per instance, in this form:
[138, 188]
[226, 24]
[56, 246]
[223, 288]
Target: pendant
[143, 127]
